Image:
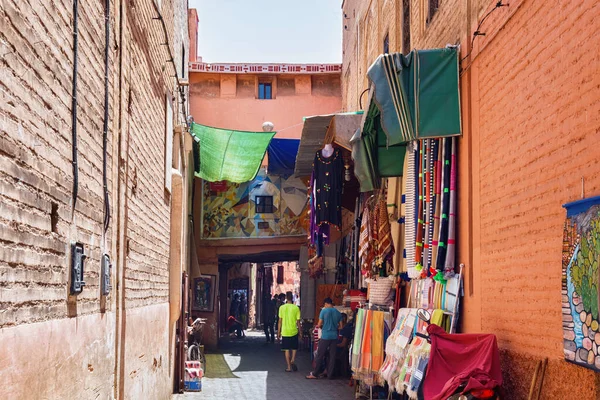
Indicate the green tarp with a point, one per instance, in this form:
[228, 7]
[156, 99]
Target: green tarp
[373, 158]
[418, 94]
[227, 155]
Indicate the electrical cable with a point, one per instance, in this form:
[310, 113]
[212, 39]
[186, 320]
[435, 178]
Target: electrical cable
[105, 124]
[74, 105]
[171, 58]
[360, 98]
[478, 32]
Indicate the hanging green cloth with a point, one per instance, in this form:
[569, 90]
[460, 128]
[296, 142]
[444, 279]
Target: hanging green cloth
[418, 94]
[373, 158]
[227, 155]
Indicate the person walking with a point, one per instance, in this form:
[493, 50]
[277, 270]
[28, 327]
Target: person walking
[269, 319]
[329, 321]
[288, 329]
[243, 311]
[234, 308]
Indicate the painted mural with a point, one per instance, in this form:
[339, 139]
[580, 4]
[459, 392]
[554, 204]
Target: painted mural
[229, 209]
[581, 257]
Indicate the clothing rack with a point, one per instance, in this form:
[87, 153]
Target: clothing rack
[370, 306]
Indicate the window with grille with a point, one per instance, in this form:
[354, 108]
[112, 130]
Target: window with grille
[264, 204]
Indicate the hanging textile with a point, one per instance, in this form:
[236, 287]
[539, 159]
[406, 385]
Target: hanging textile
[373, 157]
[282, 156]
[328, 184]
[410, 201]
[334, 292]
[418, 94]
[371, 331]
[228, 155]
[451, 253]
[384, 243]
[433, 194]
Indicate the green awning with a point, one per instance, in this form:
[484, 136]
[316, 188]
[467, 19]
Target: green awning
[227, 155]
[373, 158]
[418, 94]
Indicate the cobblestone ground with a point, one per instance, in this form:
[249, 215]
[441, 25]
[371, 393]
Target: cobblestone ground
[257, 373]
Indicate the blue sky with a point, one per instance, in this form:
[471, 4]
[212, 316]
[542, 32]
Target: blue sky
[277, 31]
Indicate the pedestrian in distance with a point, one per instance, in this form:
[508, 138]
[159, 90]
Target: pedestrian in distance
[269, 321]
[243, 311]
[234, 308]
[288, 330]
[235, 326]
[330, 321]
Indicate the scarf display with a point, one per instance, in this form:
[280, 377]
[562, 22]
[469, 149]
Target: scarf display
[430, 204]
[376, 246]
[371, 333]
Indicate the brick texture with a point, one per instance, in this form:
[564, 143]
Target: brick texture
[531, 119]
[37, 220]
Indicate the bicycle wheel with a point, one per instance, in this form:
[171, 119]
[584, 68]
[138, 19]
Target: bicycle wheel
[193, 353]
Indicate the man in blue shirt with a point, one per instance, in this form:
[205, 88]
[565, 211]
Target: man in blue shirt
[329, 321]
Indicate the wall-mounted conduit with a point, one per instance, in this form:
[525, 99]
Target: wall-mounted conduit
[74, 105]
[105, 124]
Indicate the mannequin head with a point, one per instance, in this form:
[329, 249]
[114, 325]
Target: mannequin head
[327, 150]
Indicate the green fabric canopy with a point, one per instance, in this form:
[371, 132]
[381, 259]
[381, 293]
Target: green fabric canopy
[373, 158]
[227, 155]
[418, 94]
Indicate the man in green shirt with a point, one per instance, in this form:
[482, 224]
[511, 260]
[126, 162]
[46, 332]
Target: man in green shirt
[288, 329]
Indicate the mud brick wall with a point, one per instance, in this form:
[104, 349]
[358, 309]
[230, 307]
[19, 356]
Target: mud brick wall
[531, 122]
[37, 219]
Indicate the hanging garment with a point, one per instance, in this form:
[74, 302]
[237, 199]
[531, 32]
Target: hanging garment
[385, 244]
[450, 256]
[378, 340]
[437, 193]
[410, 214]
[328, 183]
[358, 338]
[420, 219]
[444, 221]
[365, 247]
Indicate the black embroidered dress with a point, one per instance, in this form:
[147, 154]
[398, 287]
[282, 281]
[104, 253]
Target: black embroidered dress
[328, 184]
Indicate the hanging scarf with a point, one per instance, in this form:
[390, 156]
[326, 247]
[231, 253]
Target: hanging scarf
[410, 214]
[385, 244]
[450, 256]
[365, 246]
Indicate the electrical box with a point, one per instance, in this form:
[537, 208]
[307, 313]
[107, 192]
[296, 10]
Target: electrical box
[105, 275]
[77, 260]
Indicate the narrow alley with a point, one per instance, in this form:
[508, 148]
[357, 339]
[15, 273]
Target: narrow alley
[406, 191]
[252, 369]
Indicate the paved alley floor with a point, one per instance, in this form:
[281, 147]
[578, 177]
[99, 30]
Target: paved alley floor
[253, 370]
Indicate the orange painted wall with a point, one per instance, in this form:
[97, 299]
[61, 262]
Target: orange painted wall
[286, 112]
[531, 119]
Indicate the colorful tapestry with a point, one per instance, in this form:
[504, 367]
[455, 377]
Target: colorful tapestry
[230, 212]
[580, 298]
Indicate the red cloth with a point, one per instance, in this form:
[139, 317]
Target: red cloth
[458, 358]
[230, 321]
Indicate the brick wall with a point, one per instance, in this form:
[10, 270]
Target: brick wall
[536, 85]
[531, 108]
[37, 220]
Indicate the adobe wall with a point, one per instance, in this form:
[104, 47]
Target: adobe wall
[531, 122]
[53, 344]
[223, 101]
[536, 125]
